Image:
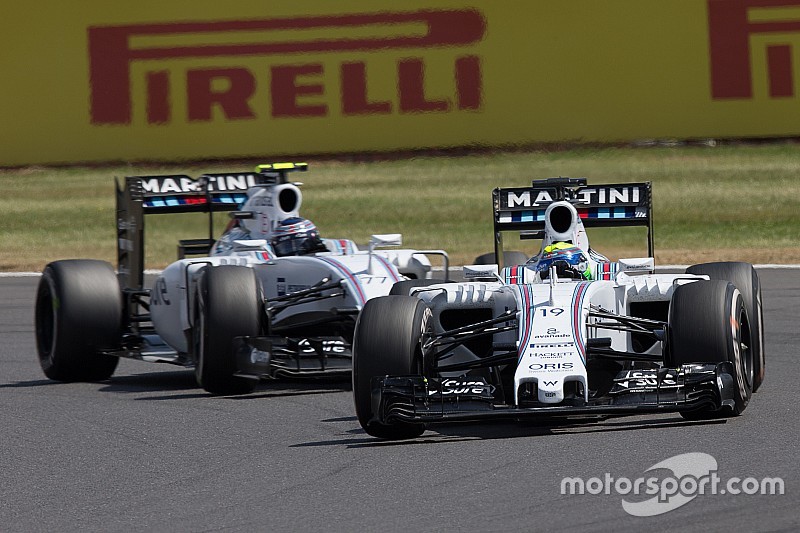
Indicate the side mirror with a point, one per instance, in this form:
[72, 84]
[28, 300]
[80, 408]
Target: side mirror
[242, 215]
[376, 241]
[637, 265]
[481, 272]
[242, 245]
[388, 239]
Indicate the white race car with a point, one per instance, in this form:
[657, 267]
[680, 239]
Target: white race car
[269, 298]
[567, 333]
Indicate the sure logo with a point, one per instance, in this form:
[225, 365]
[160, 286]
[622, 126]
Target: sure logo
[460, 387]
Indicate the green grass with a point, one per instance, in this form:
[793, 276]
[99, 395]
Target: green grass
[727, 202]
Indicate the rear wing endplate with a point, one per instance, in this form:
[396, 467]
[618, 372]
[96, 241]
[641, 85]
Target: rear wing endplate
[138, 196]
[523, 208]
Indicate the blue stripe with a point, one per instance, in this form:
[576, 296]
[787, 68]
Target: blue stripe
[527, 216]
[611, 212]
[526, 295]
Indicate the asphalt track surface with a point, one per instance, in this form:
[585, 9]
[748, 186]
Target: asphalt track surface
[149, 451]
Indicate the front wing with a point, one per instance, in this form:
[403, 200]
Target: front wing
[420, 399]
[274, 356]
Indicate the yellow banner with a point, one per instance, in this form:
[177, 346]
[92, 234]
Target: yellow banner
[151, 80]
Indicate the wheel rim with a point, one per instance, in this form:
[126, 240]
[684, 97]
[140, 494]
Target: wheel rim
[745, 348]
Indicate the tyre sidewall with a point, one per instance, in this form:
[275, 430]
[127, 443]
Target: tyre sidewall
[736, 354]
[49, 328]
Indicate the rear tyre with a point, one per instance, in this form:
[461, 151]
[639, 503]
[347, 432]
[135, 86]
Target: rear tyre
[708, 323]
[510, 258]
[745, 278]
[402, 288]
[387, 343]
[228, 306]
[78, 314]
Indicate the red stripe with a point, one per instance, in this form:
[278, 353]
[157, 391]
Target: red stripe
[528, 324]
[387, 267]
[349, 275]
[577, 311]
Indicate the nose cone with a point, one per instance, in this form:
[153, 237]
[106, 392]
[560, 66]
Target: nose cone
[551, 391]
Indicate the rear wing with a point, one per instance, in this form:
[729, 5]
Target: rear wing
[138, 196]
[523, 208]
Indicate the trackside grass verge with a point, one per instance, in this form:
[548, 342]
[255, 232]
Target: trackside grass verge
[720, 203]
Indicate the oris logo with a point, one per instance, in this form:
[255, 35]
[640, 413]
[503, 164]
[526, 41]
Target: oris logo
[551, 366]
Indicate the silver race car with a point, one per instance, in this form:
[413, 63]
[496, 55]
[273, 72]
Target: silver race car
[567, 333]
[269, 298]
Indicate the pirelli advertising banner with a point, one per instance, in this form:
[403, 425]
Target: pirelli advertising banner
[154, 80]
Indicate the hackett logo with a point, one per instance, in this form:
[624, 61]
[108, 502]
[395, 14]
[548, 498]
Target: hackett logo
[731, 25]
[112, 51]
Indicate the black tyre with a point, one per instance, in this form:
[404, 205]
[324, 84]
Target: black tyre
[510, 258]
[401, 288]
[78, 313]
[708, 323]
[745, 278]
[387, 343]
[228, 305]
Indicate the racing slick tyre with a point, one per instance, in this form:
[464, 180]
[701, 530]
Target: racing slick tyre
[402, 288]
[708, 323]
[228, 305]
[78, 314]
[745, 278]
[387, 343]
[510, 258]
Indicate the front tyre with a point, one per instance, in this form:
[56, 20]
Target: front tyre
[745, 278]
[708, 323]
[404, 287]
[78, 314]
[228, 306]
[387, 342]
[510, 258]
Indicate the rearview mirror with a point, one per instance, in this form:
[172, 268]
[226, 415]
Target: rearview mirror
[474, 272]
[634, 265]
[388, 239]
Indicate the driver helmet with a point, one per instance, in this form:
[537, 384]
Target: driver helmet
[296, 236]
[569, 260]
